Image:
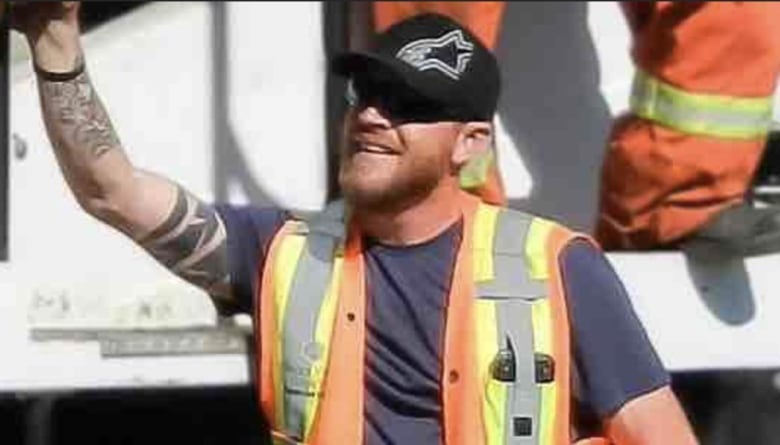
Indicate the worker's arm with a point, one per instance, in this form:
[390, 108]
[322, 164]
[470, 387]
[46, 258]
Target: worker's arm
[181, 232]
[655, 418]
[621, 386]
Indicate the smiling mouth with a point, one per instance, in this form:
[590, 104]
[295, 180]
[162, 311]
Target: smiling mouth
[365, 147]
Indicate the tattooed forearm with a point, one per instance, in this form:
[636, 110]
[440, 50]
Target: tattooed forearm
[192, 243]
[77, 119]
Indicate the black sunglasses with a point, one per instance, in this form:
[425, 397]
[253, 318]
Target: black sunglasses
[401, 103]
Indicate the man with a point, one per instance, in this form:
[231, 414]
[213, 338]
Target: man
[412, 313]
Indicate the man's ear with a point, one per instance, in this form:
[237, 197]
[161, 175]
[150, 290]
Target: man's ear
[474, 140]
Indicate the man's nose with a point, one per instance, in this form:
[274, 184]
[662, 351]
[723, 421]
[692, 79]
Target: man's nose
[371, 116]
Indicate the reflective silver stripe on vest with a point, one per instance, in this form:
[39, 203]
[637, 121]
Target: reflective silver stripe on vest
[300, 349]
[510, 268]
[514, 292]
[515, 331]
[324, 231]
[330, 221]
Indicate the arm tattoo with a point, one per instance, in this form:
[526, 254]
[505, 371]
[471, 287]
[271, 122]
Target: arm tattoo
[78, 118]
[192, 242]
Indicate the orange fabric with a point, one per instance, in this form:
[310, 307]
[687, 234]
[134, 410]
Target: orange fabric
[461, 389]
[730, 48]
[659, 185]
[340, 414]
[593, 441]
[481, 18]
[265, 363]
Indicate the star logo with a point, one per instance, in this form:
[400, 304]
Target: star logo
[448, 54]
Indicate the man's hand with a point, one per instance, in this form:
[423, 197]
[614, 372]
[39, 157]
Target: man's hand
[52, 31]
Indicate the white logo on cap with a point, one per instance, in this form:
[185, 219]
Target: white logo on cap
[420, 54]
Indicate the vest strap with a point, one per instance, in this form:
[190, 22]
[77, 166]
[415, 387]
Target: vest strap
[515, 334]
[510, 266]
[302, 353]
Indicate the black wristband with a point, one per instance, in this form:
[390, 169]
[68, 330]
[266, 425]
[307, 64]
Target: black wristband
[59, 77]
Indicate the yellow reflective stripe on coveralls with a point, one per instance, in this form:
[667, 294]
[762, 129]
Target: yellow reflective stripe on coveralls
[719, 116]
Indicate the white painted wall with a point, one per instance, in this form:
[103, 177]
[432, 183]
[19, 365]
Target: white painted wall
[246, 125]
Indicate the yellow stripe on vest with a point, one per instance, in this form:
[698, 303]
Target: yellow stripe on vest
[494, 400]
[484, 233]
[536, 248]
[323, 334]
[543, 343]
[288, 255]
[536, 254]
[720, 116]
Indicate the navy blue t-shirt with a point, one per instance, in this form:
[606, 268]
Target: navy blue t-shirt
[406, 296]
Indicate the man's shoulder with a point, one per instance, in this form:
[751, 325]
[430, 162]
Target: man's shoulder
[247, 221]
[330, 220]
[546, 224]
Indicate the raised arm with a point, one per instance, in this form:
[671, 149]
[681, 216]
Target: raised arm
[176, 228]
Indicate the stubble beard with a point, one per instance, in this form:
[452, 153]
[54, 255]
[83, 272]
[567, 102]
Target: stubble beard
[394, 193]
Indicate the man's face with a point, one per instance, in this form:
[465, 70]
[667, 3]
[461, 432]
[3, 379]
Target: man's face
[388, 157]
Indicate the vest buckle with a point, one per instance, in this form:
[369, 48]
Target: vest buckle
[544, 368]
[503, 366]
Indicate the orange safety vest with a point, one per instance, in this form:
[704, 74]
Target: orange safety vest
[506, 295]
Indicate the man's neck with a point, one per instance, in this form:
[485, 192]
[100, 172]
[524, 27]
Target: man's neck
[414, 224]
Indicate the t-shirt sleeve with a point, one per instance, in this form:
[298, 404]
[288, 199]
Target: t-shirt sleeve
[249, 233]
[614, 358]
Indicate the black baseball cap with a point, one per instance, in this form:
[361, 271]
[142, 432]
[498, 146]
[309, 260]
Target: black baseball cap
[440, 61]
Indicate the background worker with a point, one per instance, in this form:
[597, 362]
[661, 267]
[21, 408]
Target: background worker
[680, 163]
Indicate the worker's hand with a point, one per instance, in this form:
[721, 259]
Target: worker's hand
[34, 18]
[52, 30]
